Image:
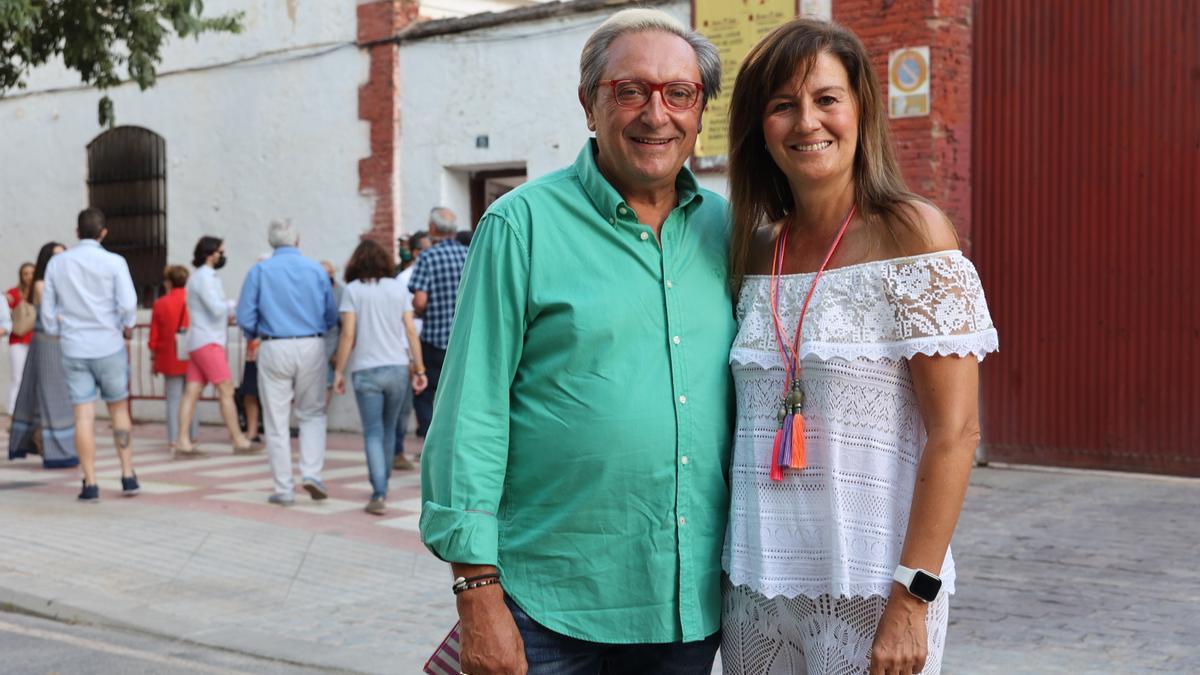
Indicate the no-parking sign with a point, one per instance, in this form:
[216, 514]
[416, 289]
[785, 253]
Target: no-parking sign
[908, 82]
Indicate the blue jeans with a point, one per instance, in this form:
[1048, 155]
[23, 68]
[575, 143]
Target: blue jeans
[549, 653]
[406, 408]
[379, 392]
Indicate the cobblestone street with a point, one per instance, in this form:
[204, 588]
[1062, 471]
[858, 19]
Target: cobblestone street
[1059, 572]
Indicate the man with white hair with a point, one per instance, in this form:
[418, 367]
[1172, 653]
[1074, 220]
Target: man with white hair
[575, 472]
[287, 303]
[434, 285]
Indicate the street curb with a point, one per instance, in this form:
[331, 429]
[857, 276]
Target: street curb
[83, 609]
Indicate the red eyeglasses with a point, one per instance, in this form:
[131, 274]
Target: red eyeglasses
[678, 95]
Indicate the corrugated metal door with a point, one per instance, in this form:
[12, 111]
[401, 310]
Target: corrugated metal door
[1086, 173]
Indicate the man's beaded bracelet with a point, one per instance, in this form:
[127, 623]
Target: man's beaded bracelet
[467, 583]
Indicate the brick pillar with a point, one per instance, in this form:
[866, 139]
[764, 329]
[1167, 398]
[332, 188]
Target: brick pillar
[378, 102]
[934, 151]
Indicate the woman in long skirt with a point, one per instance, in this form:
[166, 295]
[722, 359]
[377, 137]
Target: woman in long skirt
[44, 419]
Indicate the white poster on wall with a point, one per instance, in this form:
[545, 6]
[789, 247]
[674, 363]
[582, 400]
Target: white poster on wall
[817, 9]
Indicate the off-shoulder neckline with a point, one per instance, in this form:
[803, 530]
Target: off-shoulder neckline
[950, 252]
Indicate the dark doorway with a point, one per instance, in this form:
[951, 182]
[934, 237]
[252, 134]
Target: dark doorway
[488, 185]
[127, 180]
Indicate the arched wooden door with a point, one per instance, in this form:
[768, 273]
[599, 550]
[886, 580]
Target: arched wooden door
[127, 180]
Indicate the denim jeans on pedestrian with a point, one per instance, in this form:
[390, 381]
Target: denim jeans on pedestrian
[406, 409]
[379, 392]
[550, 653]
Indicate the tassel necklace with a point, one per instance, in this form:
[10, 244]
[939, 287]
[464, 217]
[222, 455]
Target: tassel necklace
[788, 451]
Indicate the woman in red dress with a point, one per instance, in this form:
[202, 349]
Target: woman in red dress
[167, 318]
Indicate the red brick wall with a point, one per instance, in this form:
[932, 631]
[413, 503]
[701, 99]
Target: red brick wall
[377, 104]
[935, 151]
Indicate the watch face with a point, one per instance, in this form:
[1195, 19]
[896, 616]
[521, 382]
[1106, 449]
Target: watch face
[925, 586]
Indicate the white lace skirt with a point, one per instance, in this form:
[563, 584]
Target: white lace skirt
[822, 636]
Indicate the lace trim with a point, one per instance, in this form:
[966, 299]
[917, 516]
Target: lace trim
[879, 587]
[976, 344]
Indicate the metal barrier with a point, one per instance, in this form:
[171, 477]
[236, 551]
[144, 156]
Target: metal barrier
[146, 385]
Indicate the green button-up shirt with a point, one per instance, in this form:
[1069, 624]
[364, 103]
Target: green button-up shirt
[581, 433]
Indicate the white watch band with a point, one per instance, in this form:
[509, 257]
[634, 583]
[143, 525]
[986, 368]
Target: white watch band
[904, 575]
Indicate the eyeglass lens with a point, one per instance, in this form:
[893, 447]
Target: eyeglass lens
[676, 95]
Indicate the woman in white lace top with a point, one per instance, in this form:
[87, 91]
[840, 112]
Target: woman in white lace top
[856, 387]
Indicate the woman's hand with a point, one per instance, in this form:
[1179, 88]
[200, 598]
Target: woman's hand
[901, 644]
[419, 382]
[339, 382]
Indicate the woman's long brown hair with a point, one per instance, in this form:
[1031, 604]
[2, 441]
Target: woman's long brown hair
[759, 192]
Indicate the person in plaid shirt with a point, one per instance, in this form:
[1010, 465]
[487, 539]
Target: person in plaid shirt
[434, 285]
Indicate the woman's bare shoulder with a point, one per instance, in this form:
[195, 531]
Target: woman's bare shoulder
[931, 230]
[762, 247]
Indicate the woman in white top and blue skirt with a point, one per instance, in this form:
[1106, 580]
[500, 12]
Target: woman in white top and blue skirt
[378, 338]
[856, 364]
[209, 314]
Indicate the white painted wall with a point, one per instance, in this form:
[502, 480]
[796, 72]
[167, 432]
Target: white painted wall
[514, 83]
[274, 135]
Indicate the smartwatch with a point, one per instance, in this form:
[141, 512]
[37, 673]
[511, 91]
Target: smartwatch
[920, 584]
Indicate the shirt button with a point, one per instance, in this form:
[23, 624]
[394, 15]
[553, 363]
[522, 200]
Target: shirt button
[682, 521]
[611, 221]
[621, 210]
[675, 339]
[682, 400]
[645, 236]
[669, 284]
[683, 459]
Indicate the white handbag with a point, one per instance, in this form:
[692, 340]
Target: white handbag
[181, 335]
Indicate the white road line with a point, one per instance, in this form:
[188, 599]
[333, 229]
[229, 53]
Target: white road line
[115, 649]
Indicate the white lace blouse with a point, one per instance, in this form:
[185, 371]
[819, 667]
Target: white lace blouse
[837, 526]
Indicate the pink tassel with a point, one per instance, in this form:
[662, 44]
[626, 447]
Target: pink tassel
[776, 469]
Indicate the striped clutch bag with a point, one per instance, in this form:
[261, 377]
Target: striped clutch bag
[444, 660]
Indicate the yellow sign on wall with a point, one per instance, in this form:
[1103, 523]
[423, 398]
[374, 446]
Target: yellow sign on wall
[734, 27]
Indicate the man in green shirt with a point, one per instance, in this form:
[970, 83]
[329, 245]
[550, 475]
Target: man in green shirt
[575, 473]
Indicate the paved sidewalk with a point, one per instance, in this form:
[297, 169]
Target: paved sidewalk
[1058, 572]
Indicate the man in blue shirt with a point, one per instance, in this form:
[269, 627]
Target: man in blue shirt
[286, 301]
[89, 302]
[434, 285]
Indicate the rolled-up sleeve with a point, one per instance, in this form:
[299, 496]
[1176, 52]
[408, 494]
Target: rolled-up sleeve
[247, 308]
[466, 450]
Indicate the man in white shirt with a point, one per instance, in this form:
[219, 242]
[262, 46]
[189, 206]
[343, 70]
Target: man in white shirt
[89, 302]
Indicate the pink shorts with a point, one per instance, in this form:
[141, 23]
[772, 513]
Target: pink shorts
[208, 365]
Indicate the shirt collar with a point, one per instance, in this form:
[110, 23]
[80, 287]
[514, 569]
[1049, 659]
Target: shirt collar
[88, 242]
[605, 197]
[286, 250]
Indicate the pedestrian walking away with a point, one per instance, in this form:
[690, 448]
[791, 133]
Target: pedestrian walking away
[415, 245]
[89, 302]
[168, 317]
[19, 336]
[287, 302]
[377, 337]
[860, 329]
[43, 419]
[208, 331]
[574, 472]
[434, 285]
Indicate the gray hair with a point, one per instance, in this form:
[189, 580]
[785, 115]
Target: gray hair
[594, 59]
[280, 233]
[442, 220]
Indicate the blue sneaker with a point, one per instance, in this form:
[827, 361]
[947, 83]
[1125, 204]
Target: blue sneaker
[282, 499]
[90, 493]
[315, 488]
[129, 485]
